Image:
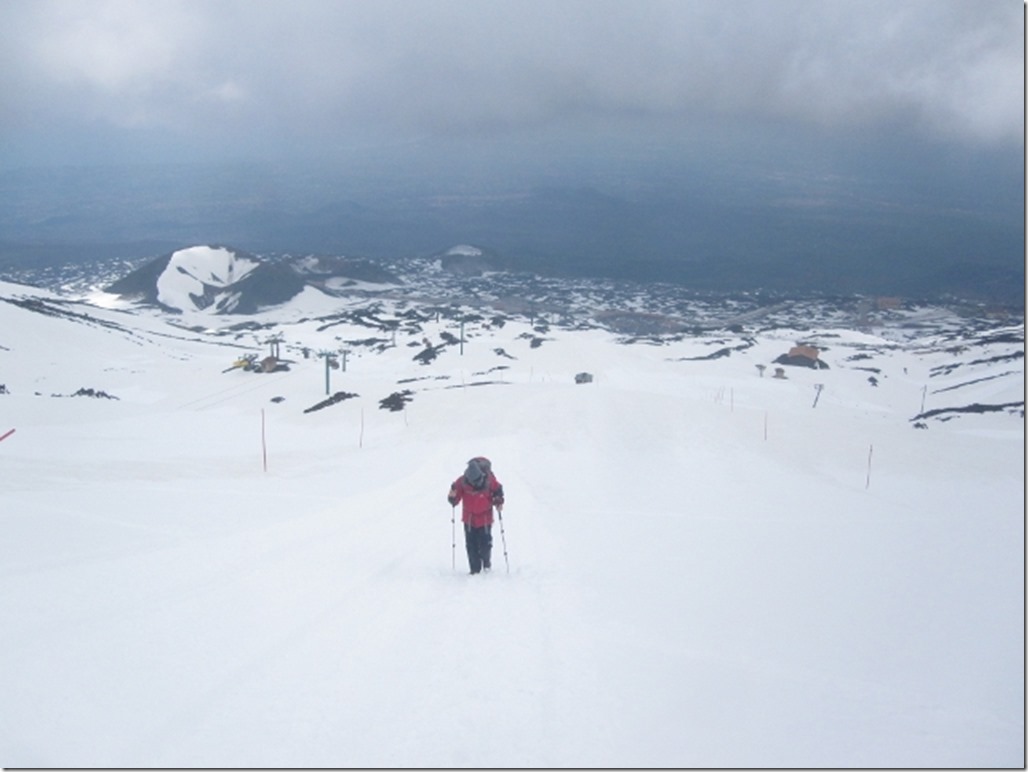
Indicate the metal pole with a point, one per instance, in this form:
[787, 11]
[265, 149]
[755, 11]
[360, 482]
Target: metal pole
[453, 536]
[503, 538]
[264, 442]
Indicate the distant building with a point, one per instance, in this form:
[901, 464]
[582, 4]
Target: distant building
[584, 378]
[803, 356]
[808, 352]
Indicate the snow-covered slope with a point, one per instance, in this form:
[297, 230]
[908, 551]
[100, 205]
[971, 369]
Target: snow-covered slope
[208, 565]
[193, 273]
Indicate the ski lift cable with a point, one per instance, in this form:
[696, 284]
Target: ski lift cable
[238, 389]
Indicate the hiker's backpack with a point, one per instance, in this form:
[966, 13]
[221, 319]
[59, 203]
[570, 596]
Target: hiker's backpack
[478, 471]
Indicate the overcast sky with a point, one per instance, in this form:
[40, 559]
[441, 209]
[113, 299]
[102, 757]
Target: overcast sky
[258, 76]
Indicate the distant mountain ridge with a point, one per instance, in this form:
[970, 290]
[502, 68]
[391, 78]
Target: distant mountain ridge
[223, 280]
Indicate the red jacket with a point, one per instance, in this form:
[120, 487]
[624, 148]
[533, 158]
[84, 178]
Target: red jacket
[477, 508]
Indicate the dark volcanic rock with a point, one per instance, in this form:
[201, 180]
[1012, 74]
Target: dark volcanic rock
[801, 361]
[397, 400]
[339, 396]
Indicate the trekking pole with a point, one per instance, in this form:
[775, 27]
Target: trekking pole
[503, 538]
[453, 536]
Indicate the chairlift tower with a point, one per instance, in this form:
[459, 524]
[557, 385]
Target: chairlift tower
[330, 359]
[818, 388]
[274, 342]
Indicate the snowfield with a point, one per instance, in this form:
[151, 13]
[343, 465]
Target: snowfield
[705, 570]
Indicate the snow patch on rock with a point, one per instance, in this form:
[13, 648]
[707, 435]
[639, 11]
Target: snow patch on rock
[192, 272]
[465, 250]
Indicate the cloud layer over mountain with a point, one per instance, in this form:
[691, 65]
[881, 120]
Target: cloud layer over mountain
[327, 72]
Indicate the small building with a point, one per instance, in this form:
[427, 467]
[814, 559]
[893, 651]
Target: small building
[808, 352]
[584, 378]
[803, 356]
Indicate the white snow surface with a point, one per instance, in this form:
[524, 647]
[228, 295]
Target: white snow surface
[696, 567]
[190, 271]
[465, 250]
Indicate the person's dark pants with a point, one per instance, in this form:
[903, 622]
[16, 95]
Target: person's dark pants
[479, 542]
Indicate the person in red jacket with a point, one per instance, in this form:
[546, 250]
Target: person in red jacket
[479, 491]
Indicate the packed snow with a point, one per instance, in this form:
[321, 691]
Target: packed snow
[697, 567]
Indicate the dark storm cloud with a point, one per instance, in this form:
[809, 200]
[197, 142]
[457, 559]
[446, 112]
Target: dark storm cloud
[203, 70]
